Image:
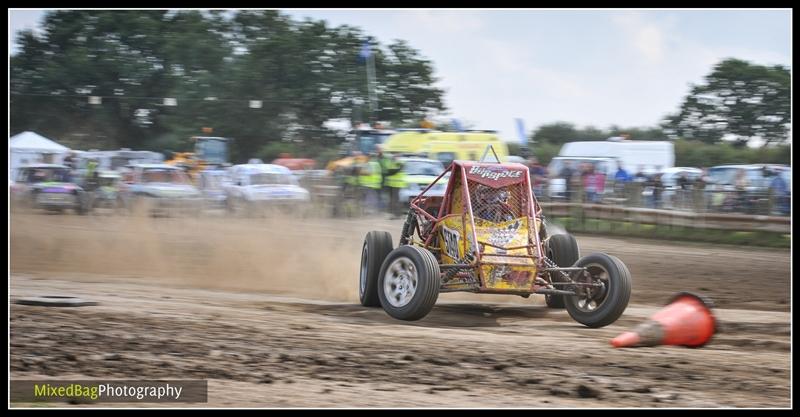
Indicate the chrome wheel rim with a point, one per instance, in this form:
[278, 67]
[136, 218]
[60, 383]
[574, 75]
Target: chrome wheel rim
[400, 282]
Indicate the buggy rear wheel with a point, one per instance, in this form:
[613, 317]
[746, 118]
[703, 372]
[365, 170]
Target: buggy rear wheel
[602, 305]
[563, 250]
[376, 246]
[409, 283]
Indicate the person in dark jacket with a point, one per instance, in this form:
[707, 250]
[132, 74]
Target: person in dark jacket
[566, 173]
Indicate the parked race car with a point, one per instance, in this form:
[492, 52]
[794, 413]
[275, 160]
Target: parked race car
[160, 190]
[420, 173]
[257, 188]
[487, 234]
[213, 184]
[107, 195]
[49, 187]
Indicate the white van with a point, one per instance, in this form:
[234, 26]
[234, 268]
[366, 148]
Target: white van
[653, 156]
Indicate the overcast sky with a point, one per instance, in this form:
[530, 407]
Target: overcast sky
[590, 67]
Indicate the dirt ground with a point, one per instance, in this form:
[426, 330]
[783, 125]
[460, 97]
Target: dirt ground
[267, 311]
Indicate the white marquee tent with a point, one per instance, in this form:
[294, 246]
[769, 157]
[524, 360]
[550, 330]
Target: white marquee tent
[31, 147]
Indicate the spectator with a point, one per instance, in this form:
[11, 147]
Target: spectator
[621, 177]
[566, 173]
[699, 191]
[593, 184]
[385, 162]
[395, 180]
[369, 180]
[655, 187]
[741, 183]
[684, 185]
[780, 194]
[538, 175]
[70, 160]
[683, 181]
[579, 181]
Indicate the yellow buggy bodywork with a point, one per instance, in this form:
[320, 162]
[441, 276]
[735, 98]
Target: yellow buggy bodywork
[507, 263]
[478, 254]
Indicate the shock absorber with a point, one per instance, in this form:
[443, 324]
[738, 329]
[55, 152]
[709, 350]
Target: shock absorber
[408, 228]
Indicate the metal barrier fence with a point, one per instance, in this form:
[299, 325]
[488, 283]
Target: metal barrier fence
[706, 200]
[720, 221]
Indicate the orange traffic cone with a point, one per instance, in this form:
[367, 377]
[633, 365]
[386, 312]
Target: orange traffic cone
[687, 320]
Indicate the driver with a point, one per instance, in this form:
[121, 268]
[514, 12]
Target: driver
[492, 204]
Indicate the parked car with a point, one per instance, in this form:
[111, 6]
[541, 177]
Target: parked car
[160, 189]
[213, 184]
[107, 194]
[421, 172]
[310, 177]
[723, 187]
[47, 186]
[255, 188]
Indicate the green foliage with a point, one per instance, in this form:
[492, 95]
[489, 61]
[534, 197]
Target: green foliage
[545, 152]
[559, 133]
[548, 139]
[738, 99]
[272, 150]
[305, 73]
[694, 153]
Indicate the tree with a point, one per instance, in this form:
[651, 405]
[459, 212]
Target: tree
[121, 56]
[304, 73]
[740, 100]
[405, 85]
[559, 133]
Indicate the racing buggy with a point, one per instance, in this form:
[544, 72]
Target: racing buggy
[487, 234]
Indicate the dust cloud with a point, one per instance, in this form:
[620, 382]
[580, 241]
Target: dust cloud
[278, 254]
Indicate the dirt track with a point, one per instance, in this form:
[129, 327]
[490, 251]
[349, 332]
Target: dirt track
[266, 310]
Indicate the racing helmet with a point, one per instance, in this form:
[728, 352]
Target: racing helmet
[488, 195]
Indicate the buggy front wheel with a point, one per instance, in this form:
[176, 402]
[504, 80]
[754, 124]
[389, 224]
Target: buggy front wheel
[409, 281]
[603, 303]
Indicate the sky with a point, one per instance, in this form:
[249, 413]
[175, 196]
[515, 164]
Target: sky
[590, 67]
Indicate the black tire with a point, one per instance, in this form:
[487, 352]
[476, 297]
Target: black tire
[84, 204]
[615, 296]
[417, 261]
[563, 250]
[377, 246]
[30, 202]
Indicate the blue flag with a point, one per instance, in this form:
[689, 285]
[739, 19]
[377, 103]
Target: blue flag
[521, 131]
[365, 51]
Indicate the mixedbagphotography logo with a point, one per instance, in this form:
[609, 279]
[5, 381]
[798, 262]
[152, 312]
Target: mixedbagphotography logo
[90, 391]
